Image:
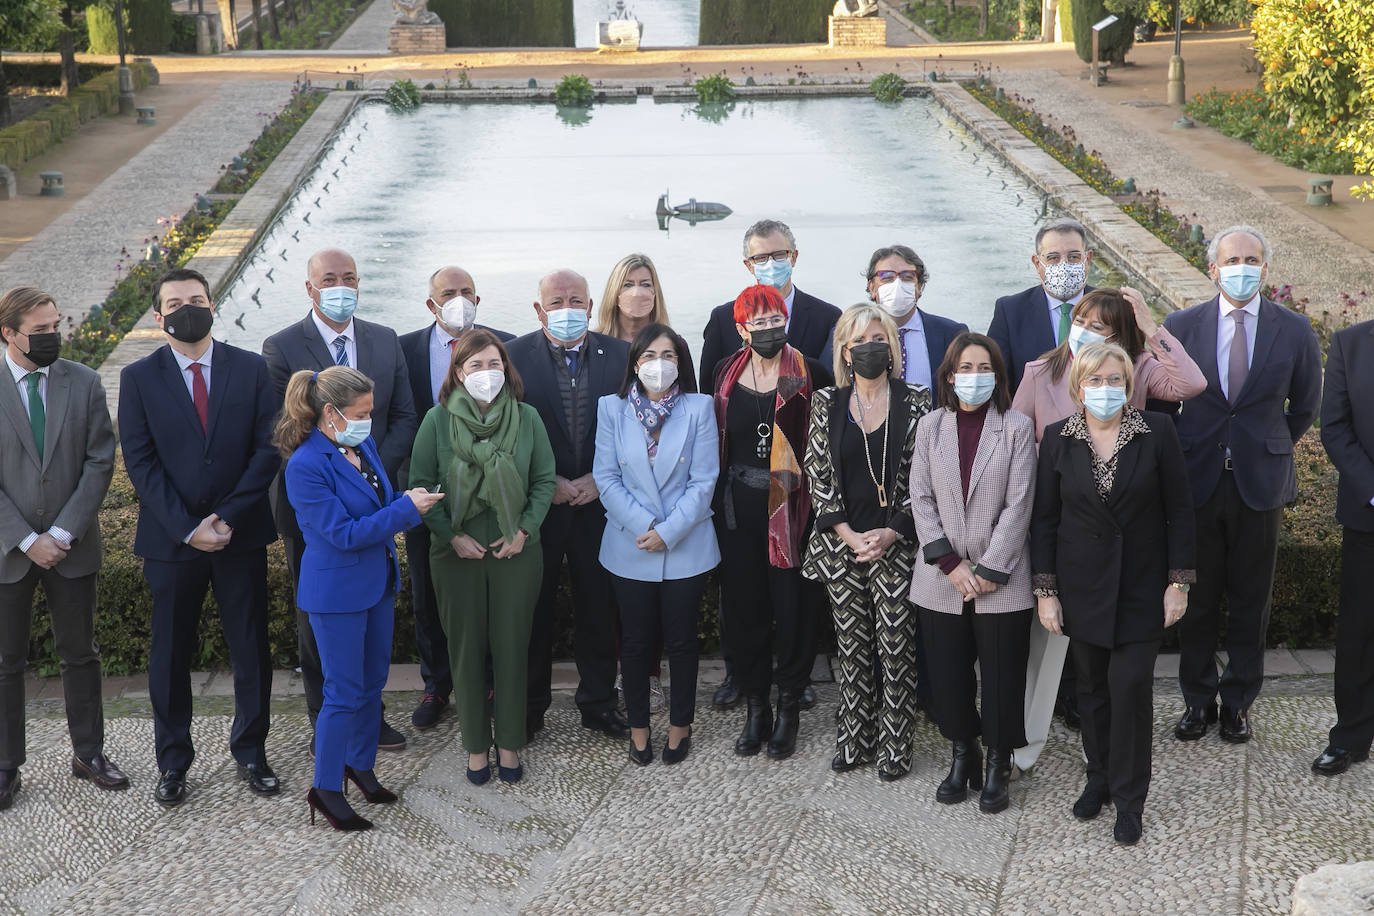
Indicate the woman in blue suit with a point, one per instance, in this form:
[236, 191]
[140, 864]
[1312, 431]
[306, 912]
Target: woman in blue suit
[350, 517]
[656, 464]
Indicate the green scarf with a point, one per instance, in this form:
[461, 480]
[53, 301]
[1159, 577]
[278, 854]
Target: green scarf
[483, 473]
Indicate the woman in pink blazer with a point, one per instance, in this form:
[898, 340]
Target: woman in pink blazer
[1163, 370]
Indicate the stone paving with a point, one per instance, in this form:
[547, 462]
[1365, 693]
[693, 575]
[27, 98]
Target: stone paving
[371, 31]
[1228, 828]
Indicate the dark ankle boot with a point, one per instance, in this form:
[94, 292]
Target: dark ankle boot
[997, 782]
[784, 740]
[965, 770]
[758, 724]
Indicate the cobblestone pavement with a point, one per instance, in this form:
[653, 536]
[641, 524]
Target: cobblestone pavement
[74, 258]
[1228, 829]
[371, 31]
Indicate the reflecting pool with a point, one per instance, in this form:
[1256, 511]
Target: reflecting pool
[512, 191]
[667, 23]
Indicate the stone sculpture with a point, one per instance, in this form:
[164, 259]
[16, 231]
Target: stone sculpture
[414, 12]
[846, 9]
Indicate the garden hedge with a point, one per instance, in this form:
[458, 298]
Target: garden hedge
[35, 134]
[1115, 40]
[755, 22]
[506, 23]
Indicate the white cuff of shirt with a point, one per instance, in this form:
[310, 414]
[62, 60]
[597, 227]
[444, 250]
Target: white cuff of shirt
[187, 539]
[25, 544]
[61, 535]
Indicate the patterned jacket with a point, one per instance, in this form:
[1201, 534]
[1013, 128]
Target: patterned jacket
[827, 555]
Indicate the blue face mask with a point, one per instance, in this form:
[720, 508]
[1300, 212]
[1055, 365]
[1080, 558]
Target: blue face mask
[1104, 402]
[1240, 281]
[338, 303]
[1080, 337]
[774, 273]
[974, 388]
[567, 325]
[353, 433]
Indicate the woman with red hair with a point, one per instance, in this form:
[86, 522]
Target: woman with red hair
[763, 409]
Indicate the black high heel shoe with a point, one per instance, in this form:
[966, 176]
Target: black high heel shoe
[367, 783]
[350, 821]
[644, 756]
[678, 754]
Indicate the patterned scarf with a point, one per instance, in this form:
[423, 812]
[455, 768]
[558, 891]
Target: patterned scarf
[650, 415]
[788, 499]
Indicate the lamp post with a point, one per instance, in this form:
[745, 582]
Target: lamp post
[1177, 95]
[126, 76]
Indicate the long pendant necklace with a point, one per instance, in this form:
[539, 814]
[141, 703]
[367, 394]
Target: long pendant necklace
[765, 427]
[879, 482]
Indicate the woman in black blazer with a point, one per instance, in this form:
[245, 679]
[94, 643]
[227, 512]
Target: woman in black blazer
[1112, 557]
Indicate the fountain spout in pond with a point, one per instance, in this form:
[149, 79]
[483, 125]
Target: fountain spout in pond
[693, 212]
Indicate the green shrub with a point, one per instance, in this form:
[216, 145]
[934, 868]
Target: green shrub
[100, 26]
[506, 23]
[1115, 40]
[150, 25]
[574, 91]
[1066, 19]
[32, 136]
[748, 22]
[1307, 580]
[1252, 116]
[403, 95]
[961, 23]
[888, 87]
[714, 89]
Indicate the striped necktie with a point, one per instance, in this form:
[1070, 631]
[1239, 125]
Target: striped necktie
[340, 351]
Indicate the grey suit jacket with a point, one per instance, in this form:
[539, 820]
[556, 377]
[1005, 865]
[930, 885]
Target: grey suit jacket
[67, 487]
[991, 527]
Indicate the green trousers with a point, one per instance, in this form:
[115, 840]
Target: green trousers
[488, 605]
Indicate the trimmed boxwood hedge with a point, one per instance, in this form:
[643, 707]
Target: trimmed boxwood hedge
[35, 134]
[757, 22]
[506, 23]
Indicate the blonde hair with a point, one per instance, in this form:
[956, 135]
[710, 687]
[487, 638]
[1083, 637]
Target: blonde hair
[18, 302]
[1090, 358]
[855, 320]
[307, 393]
[608, 313]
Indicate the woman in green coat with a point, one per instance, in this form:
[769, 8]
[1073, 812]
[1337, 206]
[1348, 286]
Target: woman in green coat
[489, 453]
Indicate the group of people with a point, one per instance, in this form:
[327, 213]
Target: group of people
[1069, 484]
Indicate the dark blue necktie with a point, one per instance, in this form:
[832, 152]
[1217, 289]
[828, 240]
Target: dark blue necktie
[572, 364]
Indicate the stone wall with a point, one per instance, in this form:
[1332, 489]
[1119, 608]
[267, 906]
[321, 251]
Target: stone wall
[858, 32]
[417, 39]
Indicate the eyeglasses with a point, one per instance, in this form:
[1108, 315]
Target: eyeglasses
[766, 322]
[885, 277]
[781, 255]
[1073, 257]
[1097, 381]
[649, 355]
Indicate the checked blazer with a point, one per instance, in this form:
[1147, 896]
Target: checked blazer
[990, 527]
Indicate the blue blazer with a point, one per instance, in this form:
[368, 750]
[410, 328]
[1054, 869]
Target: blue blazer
[939, 333]
[350, 536]
[182, 472]
[1277, 404]
[1021, 328]
[673, 494]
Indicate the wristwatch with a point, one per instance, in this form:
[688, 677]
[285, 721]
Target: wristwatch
[1181, 586]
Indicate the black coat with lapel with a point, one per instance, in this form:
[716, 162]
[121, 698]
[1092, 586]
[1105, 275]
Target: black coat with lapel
[1348, 422]
[810, 327]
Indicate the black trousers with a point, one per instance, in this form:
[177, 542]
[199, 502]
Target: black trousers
[764, 608]
[1116, 701]
[71, 605]
[1236, 550]
[594, 617]
[653, 614]
[430, 641]
[1354, 729]
[1000, 644]
[240, 583]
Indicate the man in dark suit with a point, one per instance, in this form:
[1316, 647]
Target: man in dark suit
[329, 335]
[566, 370]
[428, 354]
[770, 253]
[56, 460]
[1348, 434]
[1263, 368]
[195, 423]
[1028, 324]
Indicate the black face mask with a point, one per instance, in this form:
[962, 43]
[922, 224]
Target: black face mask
[189, 324]
[44, 348]
[768, 342]
[870, 360]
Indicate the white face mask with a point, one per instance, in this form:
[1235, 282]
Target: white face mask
[658, 374]
[484, 385]
[897, 298]
[1064, 280]
[458, 313]
[1080, 337]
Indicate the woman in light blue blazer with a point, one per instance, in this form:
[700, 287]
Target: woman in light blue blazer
[656, 464]
[348, 579]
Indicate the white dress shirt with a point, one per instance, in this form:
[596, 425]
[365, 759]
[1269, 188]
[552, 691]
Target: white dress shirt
[328, 335]
[787, 301]
[21, 380]
[913, 337]
[1054, 306]
[440, 358]
[184, 363]
[1226, 332]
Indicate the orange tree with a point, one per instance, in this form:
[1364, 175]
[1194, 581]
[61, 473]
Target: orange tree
[1318, 58]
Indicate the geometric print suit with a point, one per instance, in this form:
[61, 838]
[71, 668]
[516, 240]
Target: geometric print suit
[875, 623]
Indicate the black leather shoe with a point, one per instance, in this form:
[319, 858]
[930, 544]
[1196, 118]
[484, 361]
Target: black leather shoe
[1066, 708]
[727, 695]
[428, 712]
[260, 778]
[891, 772]
[388, 739]
[808, 697]
[534, 724]
[100, 771]
[1127, 829]
[996, 794]
[1192, 725]
[1089, 804]
[966, 769]
[642, 757]
[171, 788]
[9, 787]
[840, 765]
[609, 722]
[1235, 725]
[785, 725]
[758, 725]
[677, 754]
[1336, 760]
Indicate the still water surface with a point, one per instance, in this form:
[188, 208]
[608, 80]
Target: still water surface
[511, 192]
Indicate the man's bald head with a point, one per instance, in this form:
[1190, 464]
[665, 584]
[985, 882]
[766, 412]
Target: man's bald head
[564, 288]
[331, 267]
[447, 282]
